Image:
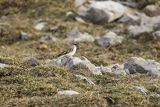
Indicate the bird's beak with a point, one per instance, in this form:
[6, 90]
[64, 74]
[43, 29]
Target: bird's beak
[74, 43]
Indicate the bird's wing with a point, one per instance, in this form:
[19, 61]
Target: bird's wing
[65, 52]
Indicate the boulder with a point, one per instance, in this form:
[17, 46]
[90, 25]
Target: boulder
[75, 62]
[135, 30]
[152, 10]
[102, 11]
[76, 36]
[104, 69]
[79, 2]
[128, 3]
[156, 27]
[153, 21]
[108, 39]
[147, 25]
[156, 35]
[114, 69]
[118, 69]
[140, 65]
[130, 18]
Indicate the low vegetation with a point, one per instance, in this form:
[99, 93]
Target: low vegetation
[25, 85]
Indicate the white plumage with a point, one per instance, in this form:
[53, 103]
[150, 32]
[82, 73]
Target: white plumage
[69, 52]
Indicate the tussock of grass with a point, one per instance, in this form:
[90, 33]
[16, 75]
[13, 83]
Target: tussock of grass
[40, 84]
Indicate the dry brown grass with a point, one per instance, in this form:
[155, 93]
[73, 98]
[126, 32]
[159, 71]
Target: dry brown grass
[24, 85]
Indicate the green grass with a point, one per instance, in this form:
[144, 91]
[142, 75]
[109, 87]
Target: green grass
[25, 85]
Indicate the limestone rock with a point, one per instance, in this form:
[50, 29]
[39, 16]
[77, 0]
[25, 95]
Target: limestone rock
[104, 69]
[135, 31]
[25, 36]
[108, 39]
[103, 11]
[156, 35]
[4, 25]
[140, 65]
[39, 26]
[87, 80]
[147, 25]
[114, 69]
[130, 18]
[152, 10]
[79, 2]
[68, 92]
[156, 27]
[48, 38]
[140, 88]
[76, 36]
[3, 65]
[73, 62]
[31, 61]
[118, 69]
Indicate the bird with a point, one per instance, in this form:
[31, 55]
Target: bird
[70, 52]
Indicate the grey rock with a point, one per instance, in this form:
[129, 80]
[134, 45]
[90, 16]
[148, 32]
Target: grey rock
[108, 39]
[4, 25]
[103, 11]
[73, 16]
[156, 27]
[114, 69]
[70, 15]
[140, 88]
[96, 16]
[79, 19]
[152, 21]
[128, 3]
[79, 2]
[53, 29]
[140, 65]
[118, 69]
[147, 25]
[152, 10]
[2, 65]
[73, 62]
[39, 26]
[130, 18]
[25, 36]
[85, 79]
[31, 61]
[104, 69]
[135, 31]
[156, 35]
[76, 36]
[68, 92]
[48, 38]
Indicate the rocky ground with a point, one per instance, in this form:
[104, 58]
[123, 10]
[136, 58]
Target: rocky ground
[116, 63]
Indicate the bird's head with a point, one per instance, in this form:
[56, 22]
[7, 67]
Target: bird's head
[74, 43]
